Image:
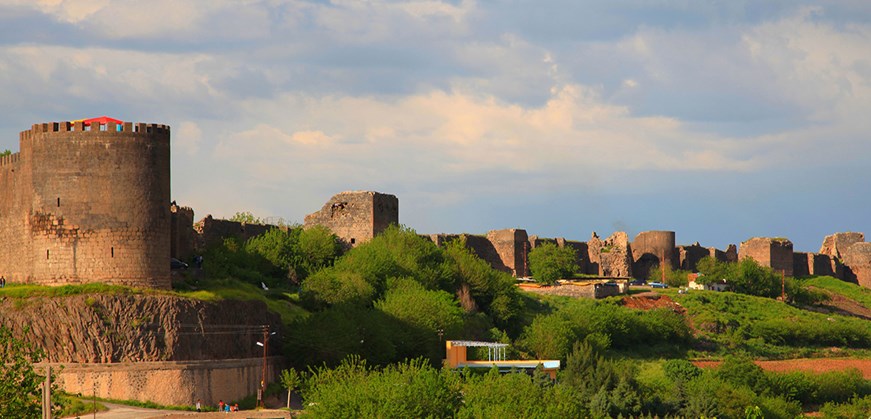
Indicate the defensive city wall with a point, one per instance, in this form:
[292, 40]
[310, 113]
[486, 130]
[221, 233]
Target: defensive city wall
[90, 202]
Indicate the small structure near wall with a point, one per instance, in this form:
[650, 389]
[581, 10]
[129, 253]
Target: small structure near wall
[456, 357]
[716, 285]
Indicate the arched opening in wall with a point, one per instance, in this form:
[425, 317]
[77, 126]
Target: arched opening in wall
[113, 251]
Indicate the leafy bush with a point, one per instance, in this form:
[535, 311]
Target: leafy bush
[518, 395]
[681, 370]
[552, 335]
[424, 316]
[857, 407]
[411, 389]
[331, 286]
[493, 291]
[20, 384]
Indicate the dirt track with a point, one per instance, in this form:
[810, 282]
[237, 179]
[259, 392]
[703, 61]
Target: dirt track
[810, 365]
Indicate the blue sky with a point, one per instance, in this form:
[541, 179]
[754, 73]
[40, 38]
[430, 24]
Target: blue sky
[720, 120]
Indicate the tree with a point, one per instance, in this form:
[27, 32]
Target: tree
[5, 153]
[549, 262]
[318, 248]
[291, 380]
[20, 384]
[246, 217]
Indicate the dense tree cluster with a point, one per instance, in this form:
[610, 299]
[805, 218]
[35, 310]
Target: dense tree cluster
[399, 296]
[549, 263]
[590, 385]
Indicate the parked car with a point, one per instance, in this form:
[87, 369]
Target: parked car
[175, 264]
[637, 282]
[658, 285]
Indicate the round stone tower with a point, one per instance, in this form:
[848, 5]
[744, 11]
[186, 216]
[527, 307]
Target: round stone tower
[652, 248]
[91, 204]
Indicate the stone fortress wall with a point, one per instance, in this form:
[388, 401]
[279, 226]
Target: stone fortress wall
[87, 204]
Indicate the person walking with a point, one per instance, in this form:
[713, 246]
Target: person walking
[199, 406]
[2, 281]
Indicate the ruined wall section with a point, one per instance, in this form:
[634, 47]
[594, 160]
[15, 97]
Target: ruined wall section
[837, 243]
[611, 257]
[356, 216]
[212, 231]
[689, 256]
[512, 246]
[581, 250]
[775, 253]
[650, 249]
[815, 264]
[91, 206]
[14, 244]
[182, 234]
[857, 264]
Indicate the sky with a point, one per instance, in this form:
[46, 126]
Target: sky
[719, 120]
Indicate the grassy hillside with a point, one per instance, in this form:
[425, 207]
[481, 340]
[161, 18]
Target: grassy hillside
[725, 322]
[852, 291]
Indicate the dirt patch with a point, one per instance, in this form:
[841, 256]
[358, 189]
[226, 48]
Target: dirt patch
[651, 301]
[817, 366]
[839, 304]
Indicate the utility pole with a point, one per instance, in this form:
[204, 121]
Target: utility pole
[263, 372]
[46, 394]
[662, 265]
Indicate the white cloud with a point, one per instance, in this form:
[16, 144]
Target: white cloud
[187, 137]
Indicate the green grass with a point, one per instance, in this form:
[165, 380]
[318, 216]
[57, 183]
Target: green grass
[29, 291]
[763, 327]
[278, 301]
[283, 302]
[76, 406]
[855, 292]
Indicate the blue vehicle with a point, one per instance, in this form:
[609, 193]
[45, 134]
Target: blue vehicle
[658, 285]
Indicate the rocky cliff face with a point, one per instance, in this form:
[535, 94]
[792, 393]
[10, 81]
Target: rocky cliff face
[119, 328]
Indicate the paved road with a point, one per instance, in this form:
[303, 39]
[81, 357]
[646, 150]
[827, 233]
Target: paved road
[119, 411]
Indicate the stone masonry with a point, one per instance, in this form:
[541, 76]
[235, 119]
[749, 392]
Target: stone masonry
[356, 216]
[87, 204]
[838, 243]
[857, 262]
[775, 253]
[651, 249]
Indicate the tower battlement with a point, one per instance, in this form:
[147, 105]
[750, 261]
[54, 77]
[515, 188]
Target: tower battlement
[105, 128]
[87, 201]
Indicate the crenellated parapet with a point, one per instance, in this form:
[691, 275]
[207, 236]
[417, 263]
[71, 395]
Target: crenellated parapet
[104, 128]
[87, 202]
[10, 159]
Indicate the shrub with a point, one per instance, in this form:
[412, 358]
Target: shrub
[681, 370]
[410, 389]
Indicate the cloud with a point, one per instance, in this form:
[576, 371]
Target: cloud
[187, 136]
